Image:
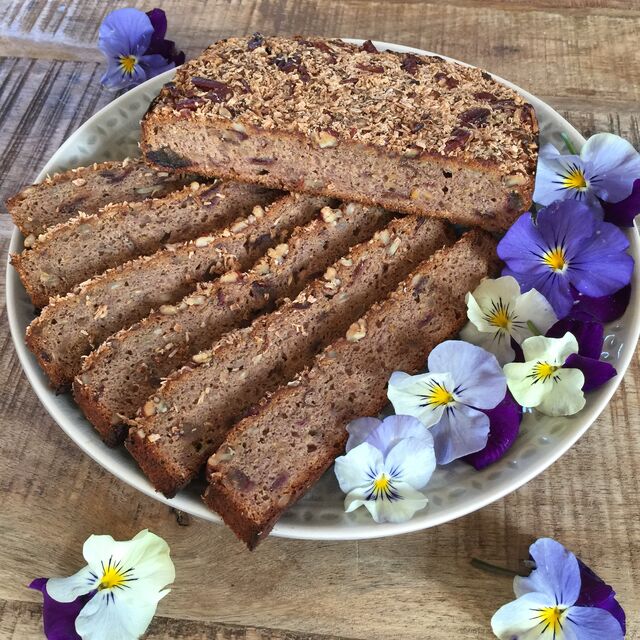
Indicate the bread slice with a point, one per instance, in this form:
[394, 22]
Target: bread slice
[60, 196]
[72, 326]
[85, 246]
[272, 457]
[199, 405]
[409, 133]
[164, 341]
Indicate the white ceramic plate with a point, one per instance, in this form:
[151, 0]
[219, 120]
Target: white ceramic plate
[454, 490]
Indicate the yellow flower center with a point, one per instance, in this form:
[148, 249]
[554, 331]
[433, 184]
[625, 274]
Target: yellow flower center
[556, 259]
[438, 395]
[128, 64]
[552, 618]
[575, 179]
[382, 487]
[381, 483]
[543, 371]
[114, 576]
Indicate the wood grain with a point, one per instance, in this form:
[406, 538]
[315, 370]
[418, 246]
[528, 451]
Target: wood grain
[582, 56]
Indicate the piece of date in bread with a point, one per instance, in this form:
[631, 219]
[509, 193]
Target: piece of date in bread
[85, 246]
[164, 341]
[271, 458]
[60, 196]
[200, 404]
[410, 133]
[71, 326]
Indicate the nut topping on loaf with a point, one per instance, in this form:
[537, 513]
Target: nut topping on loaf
[411, 133]
[272, 457]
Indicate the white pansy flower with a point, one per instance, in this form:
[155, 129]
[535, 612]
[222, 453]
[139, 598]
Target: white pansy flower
[497, 312]
[542, 381]
[128, 578]
[385, 465]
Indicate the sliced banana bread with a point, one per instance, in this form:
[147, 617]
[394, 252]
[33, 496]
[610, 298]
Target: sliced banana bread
[162, 342]
[73, 325]
[60, 196]
[85, 246]
[188, 418]
[409, 133]
[271, 458]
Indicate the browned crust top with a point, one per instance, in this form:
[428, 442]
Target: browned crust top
[329, 91]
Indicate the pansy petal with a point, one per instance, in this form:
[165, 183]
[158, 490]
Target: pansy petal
[396, 428]
[155, 64]
[521, 383]
[409, 394]
[113, 78]
[567, 397]
[59, 618]
[504, 426]
[604, 309]
[125, 32]
[475, 372]
[596, 372]
[548, 174]
[623, 213]
[557, 573]
[591, 623]
[519, 620]
[68, 589]
[552, 350]
[399, 510]
[595, 592]
[566, 221]
[120, 615]
[516, 246]
[158, 19]
[532, 307]
[461, 431]
[498, 342]
[359, 430]
[355, 469]
[412, 460]
[589, 335]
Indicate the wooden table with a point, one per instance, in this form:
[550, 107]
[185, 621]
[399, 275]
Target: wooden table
[581, 56]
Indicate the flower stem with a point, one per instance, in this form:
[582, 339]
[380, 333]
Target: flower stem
[492, 568]
[532, 327]
[568, 144]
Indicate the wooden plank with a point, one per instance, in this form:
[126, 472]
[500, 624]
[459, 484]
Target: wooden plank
[583, 50]
[23, 621]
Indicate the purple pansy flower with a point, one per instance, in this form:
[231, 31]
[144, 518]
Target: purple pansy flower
[595, 592]
[590, 337]
[547, 602]
[603, 309]
[504, 426]
[133, 43]
[604, 170]
[623, 213]
[566, 245]
[463, 380]
[59, 618]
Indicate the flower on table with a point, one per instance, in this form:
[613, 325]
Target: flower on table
[543, 380]
[604, 170]
[114, 596]
[559, 601]
[385, 465]
[499, 313]
[567, 245]
[135, 47]
[463, 380]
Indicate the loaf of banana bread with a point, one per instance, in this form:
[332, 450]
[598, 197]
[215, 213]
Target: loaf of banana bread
[165, 340]
[200, 404]
[409, 133]
[73, 325]
[60, 196]
[272, 457]
[85, 246]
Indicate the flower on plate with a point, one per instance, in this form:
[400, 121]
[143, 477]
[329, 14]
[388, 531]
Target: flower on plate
[544, 380]
[135, 47]
[385, 465]
[550, 602]
[115, 595]
[605, 170]
[623, 213]
[462, 380]
[504, 426]
[498, 313]
[601, 309]
[590, 338]
[566, 245]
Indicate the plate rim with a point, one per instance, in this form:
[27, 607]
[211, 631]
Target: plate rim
[293, 530]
